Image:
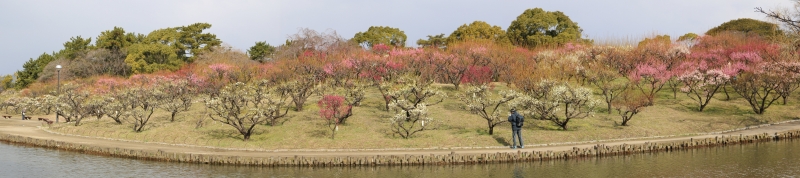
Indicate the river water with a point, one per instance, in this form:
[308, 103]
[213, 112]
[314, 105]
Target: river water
[767, 159]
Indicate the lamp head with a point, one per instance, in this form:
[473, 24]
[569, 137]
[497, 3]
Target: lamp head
[58, 66]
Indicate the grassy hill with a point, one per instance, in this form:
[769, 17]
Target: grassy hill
[368, 128]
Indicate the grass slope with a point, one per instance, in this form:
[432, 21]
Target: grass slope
[368, 128]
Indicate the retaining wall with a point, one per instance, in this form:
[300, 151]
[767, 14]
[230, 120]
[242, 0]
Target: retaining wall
[452, 158]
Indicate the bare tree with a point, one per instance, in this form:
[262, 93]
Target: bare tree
[310, 40]
[607, 81]
[789, 19]
[629, 104]
[86, 64]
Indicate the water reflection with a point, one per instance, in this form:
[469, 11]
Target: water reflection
[772, 159]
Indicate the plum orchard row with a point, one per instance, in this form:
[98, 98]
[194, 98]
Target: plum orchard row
[555, 84]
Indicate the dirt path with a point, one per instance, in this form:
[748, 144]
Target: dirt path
[30, 129]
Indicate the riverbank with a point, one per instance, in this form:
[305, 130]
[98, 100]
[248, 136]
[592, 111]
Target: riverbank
[30, 133]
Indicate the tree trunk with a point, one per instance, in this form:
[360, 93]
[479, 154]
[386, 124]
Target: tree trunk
[172, 117]
[491, 128]
[563, 124]
[725, 90]
[626, 118]
[246, 136]
[333, 132]
[702, 107]
[674, 90]
[386, 102]
[138, 127]
[298, 106]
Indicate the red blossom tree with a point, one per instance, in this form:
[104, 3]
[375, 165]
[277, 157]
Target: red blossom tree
[335, 111]
[477, 75]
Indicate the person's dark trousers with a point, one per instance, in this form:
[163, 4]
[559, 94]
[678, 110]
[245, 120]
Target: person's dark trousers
[517, 134]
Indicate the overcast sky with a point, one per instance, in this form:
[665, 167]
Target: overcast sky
[30, 27]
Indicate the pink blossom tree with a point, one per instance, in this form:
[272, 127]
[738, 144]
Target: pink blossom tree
[649, 78]
[759, 86]
[383, 74]
[790, 81]
[701, 86]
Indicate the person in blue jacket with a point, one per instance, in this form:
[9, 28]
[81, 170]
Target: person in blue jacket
[516, 121]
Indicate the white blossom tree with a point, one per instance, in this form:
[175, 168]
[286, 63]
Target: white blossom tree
[115, 109]
[72, 103]
[413, 93]
[48, 103]
[176, 97]
[558, 103]
[29, 105]
[480, 100]
[236, 106]
[406, 123]
[145, 100]
[411, 102]
[300, 89]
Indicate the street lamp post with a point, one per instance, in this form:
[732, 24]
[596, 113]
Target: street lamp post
[58, 88]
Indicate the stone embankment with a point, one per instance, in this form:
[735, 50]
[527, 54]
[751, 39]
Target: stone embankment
[597, 150]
